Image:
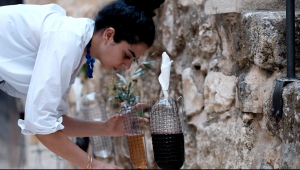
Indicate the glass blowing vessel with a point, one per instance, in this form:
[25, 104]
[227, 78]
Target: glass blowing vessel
[167, 135]
[92, 106]
[135, 136]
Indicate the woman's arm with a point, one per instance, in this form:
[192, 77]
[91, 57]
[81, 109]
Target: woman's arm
[85, 128]
[114, 126]
[61, 145]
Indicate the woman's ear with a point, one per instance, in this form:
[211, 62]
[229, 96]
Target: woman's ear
[108, 35]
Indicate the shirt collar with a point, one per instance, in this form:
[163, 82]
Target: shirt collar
[89, 31]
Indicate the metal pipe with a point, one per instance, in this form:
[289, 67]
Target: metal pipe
[290, 37]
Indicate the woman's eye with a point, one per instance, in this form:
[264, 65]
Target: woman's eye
[126, 56]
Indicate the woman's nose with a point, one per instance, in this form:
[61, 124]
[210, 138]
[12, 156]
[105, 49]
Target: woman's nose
[127, 65]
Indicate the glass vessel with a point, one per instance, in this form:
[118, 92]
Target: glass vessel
[92, 106]
[135, 136]
[167, 134]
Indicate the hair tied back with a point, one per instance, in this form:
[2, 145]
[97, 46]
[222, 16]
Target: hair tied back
[148, 6]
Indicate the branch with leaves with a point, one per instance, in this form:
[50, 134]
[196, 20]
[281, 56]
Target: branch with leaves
[120, 90]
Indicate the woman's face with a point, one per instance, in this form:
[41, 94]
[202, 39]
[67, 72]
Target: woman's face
[115, 56]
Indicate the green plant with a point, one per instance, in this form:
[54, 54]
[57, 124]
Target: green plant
[121, 90]
[83, 70]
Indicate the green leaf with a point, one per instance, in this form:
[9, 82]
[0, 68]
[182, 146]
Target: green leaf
[143, 76]
[136, 74]
[148, 62]
[120, 85]
[152, 54]
[139, 113]
[138, 70]
[131, 95]
[131, 100]
[149, 67]
[129, 85]
[122, 95]
[117, 81]
[83, 69]
[121, 78]
[128, 89]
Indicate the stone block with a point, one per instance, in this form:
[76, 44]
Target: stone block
[289, 158]
[264, 39]
[254, 89]
[237, 6]
[291, 113]
[11, 140]
[193, 100]
[190, 2]
[217, 146]
[220, 6]
[219, 92]
[190, 147]
[287, 127]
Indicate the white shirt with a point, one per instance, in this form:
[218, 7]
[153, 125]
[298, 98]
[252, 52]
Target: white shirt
[40, 55]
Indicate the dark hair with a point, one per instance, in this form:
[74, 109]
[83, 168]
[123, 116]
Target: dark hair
[131, 19]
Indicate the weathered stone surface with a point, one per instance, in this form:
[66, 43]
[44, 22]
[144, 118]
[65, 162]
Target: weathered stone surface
[291, 113]
[265, 165]
[216, 145]
[254, 89]
[286, 128]
[199, 70]
[219, 92]
[247, 117]
[171, 32]
[190, 147]
[201, 39]
[220, 7]
[236, 144]
[11, 140]
[193, 100]
[228, 58]
[190, 2]
[265, 38]
[290, 158]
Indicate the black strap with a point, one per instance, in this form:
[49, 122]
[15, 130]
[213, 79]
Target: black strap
[2, 81]
[277, 99]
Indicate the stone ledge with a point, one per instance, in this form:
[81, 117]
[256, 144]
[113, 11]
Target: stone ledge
[237, 6]
[264, 38]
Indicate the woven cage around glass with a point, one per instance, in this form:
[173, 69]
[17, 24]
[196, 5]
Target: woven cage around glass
[165, 118]
[93, 108]
[135, 137]
[167, 134]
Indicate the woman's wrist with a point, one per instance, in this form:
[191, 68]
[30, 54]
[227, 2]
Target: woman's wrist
[98, 165]
[90, 162]
[95, 164]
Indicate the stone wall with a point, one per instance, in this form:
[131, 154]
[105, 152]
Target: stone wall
[11, 140]
[227, 56]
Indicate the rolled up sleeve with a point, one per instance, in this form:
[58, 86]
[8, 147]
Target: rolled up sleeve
[59, 55]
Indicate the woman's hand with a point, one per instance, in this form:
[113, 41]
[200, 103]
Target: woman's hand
[115, 124]
[101, 165]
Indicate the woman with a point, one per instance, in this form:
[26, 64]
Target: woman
[42, 51]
